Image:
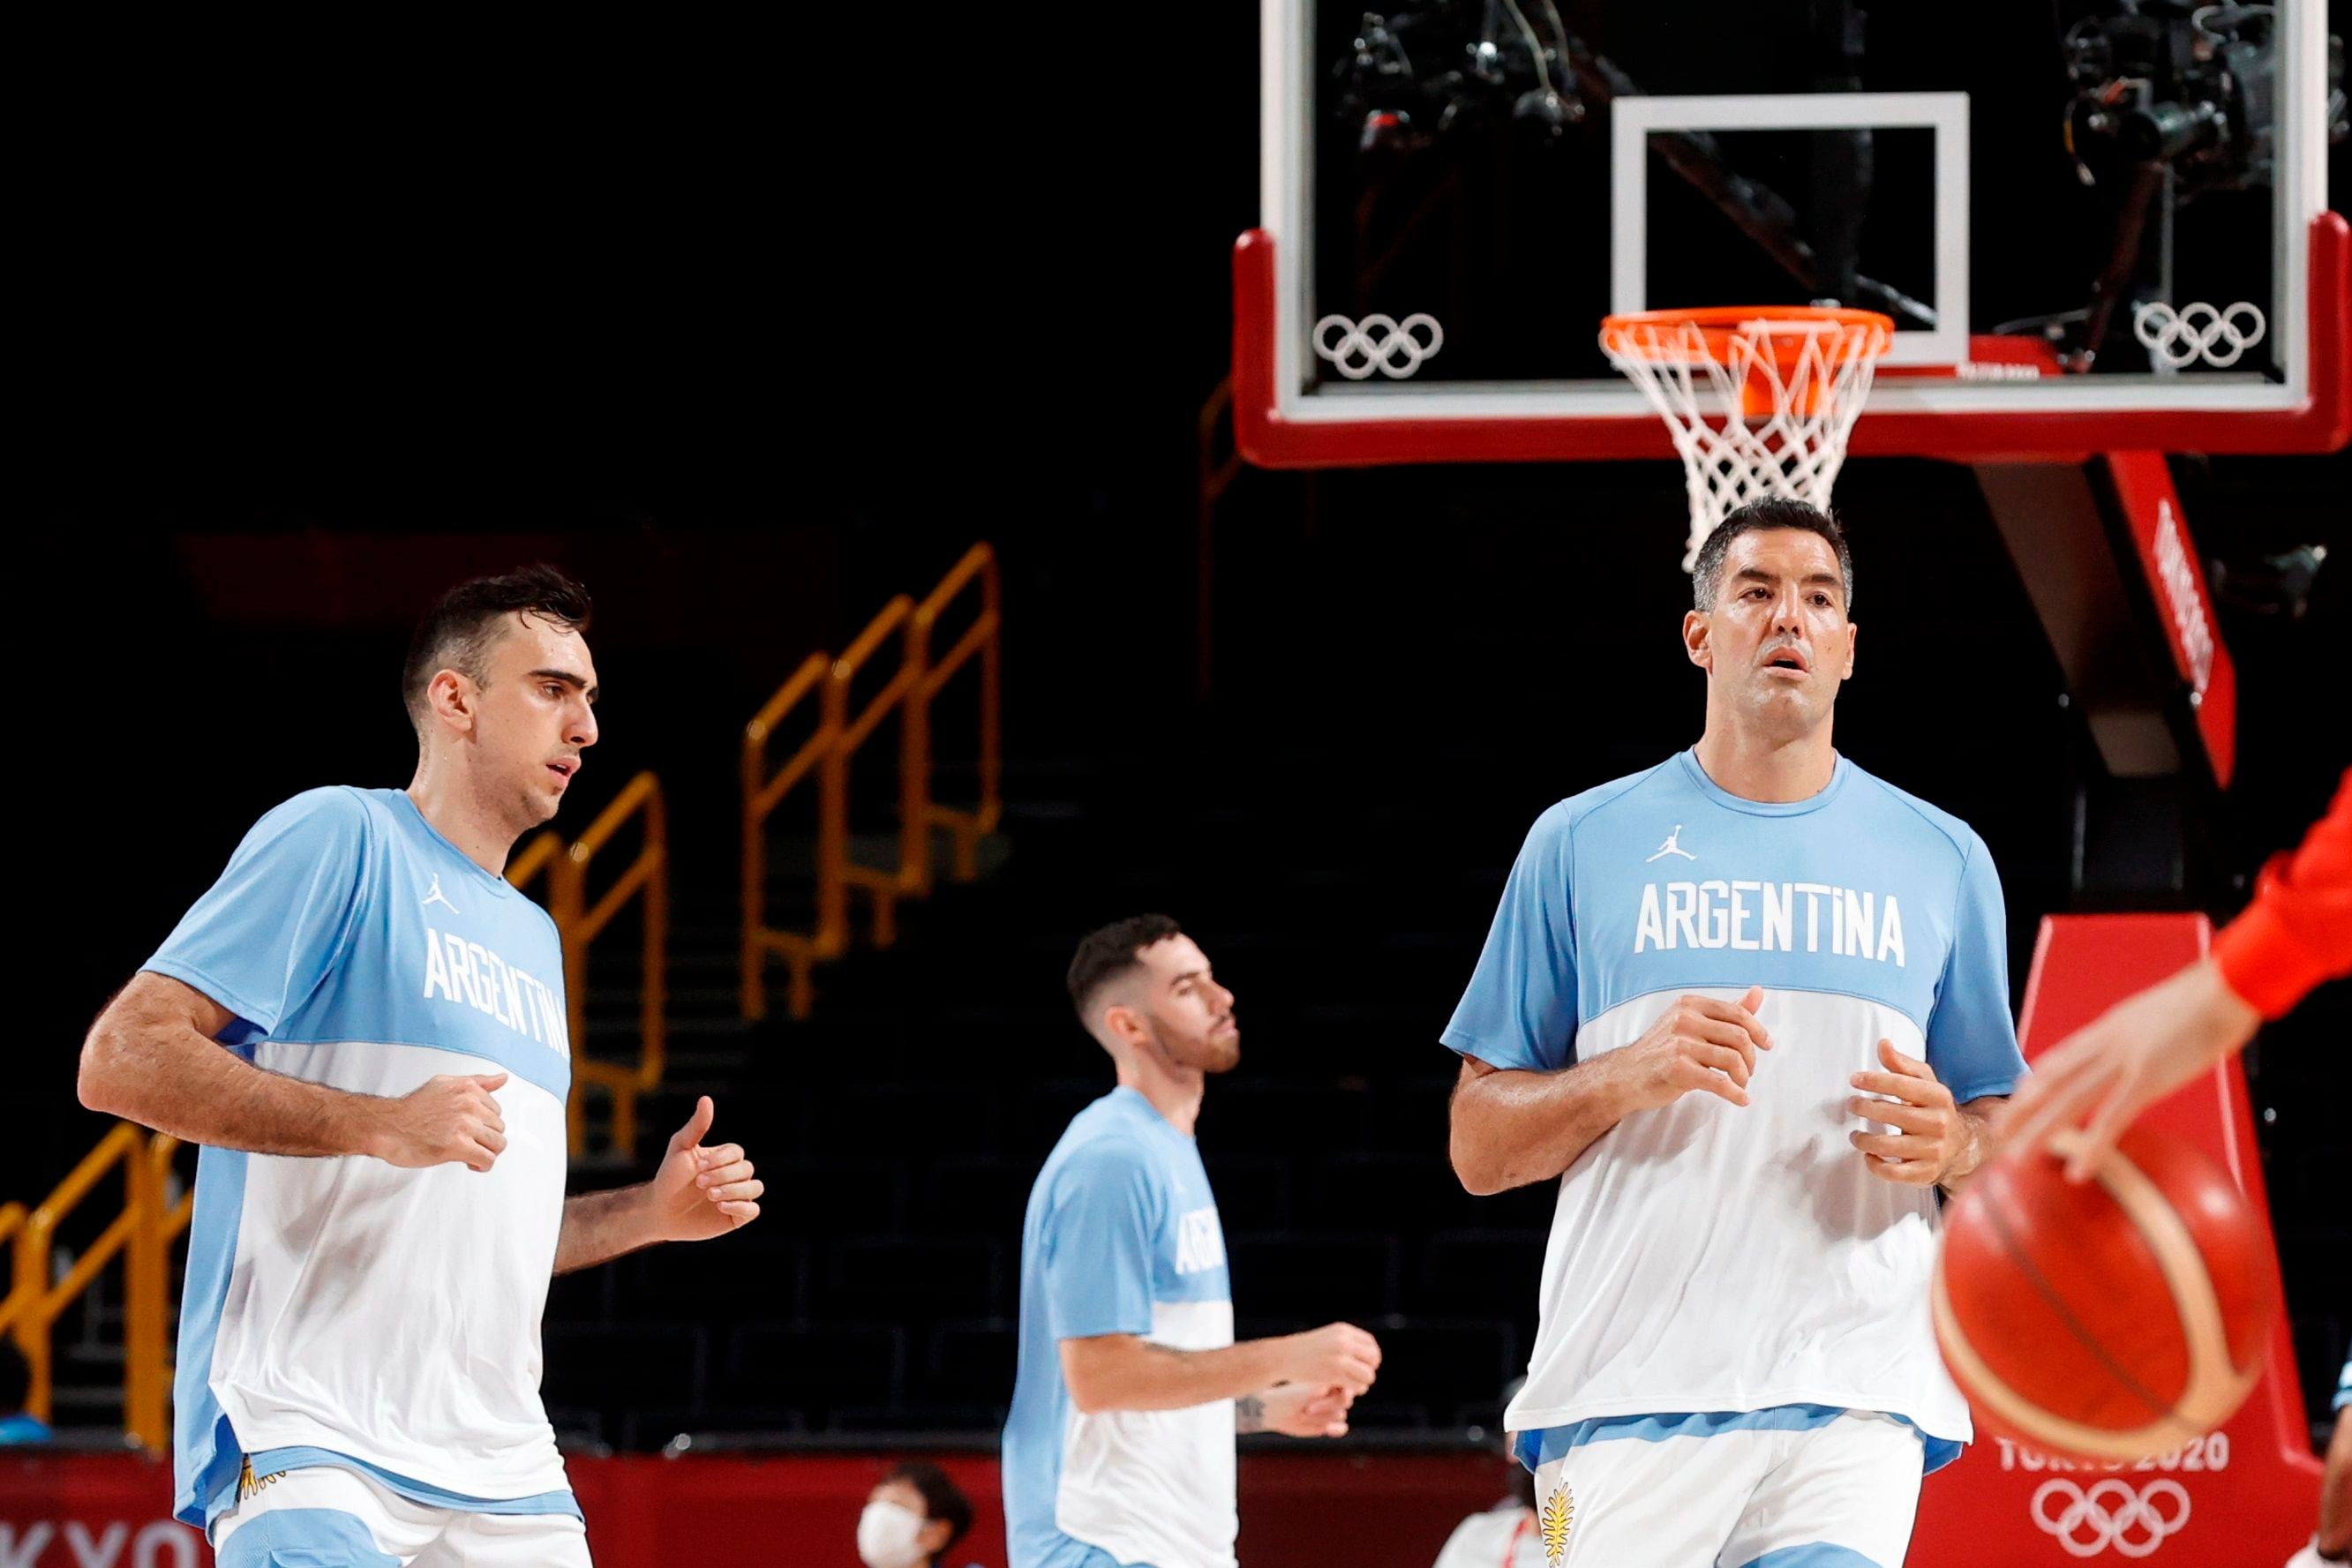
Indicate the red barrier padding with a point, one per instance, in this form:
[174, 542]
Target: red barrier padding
[2248, 1494]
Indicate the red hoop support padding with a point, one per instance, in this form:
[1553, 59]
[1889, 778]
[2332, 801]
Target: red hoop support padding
[2250, 1495]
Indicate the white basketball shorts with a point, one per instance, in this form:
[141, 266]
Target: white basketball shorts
[325, 1517]
[1793, 1485]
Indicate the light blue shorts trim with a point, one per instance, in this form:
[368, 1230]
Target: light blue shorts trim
[1812, 1555]
[270, 1461]
[304, 1538]
[1537, 1448]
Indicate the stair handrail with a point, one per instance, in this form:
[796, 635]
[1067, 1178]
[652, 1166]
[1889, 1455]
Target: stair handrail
[983, 639]
[646, 877]
[142, 1234]
[827, 754]
[882, 886]
[762, 793]
[535, 857]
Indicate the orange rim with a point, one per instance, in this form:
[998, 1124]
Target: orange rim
[1788, 327]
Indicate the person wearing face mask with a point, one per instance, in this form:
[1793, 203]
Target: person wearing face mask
[913, 1518]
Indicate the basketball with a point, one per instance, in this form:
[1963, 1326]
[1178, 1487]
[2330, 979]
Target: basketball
[2109, 1321]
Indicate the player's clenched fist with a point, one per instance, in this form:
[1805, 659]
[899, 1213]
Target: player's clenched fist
[1698, 1043]
[449, 1120]
[1334, 1356]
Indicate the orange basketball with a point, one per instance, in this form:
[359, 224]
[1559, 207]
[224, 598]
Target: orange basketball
[2109, 1321]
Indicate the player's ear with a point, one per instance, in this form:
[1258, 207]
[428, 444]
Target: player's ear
[932, 1539]
[1695, 627]
[450, 696]
[1853, 633]
[1124, 1024]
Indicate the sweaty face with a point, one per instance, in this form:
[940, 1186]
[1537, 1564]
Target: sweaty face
[1191, 1014]
[1777, 643]
[533, 718]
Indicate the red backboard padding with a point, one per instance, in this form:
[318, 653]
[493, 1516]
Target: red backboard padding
[2246, 1496]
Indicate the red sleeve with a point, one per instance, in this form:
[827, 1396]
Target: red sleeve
[2299, 930]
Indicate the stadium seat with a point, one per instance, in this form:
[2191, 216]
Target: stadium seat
[1493, 1273]
[902, 1279]
[983, 1197]
[614, 1369]
[583, 1296]
[1328, 1115]
[948, 1120]
[682, 1284]
[971, 1363]
[1440, 1363]
[810, 1368]
[814, 1199]
[1303, 1280]
[1410, 1193]
[1253, 1191]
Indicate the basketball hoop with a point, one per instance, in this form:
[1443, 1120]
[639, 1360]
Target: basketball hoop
[1759, 399]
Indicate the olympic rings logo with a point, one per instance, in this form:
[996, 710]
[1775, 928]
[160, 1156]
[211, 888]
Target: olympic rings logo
[2110, 1514]
[1396, 348]
[2199, 331]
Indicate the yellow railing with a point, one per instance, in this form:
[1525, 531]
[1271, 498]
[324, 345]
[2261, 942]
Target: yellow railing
[579, 923]
[827, 755]
[142, 1233]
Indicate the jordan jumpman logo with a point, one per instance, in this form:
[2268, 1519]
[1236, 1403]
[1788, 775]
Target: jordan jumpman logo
[1673, 847]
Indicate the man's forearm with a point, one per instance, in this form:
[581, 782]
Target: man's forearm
[146, 1062]
[1125, 1372]
[1511, 1127]
[599, 1227]
[1975, 1117]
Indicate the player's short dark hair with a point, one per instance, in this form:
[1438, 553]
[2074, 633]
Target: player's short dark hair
[942, 1499]
[1777, 512]
[1114, 950]
[457, 634]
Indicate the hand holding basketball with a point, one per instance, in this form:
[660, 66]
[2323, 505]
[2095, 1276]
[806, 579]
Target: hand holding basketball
[2126, 1060]
[1931, 1140]
[1698, 1043]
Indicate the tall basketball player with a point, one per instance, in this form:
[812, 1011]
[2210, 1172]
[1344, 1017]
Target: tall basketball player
[1750, 1008]
[363, 1024]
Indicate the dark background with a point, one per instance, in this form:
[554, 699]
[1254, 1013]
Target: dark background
[753, 331]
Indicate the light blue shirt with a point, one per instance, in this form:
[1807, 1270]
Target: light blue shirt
[344, 1310]
[1120, 1238]
[1709, 1258]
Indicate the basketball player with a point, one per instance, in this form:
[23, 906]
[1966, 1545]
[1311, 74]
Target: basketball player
[1118, 1448]
[2296, 934]
[1751, 1009]
[363, 1024]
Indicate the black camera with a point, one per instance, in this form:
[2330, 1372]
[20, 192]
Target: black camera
[2191, 86]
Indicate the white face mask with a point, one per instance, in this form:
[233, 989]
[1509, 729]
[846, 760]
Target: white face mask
[886, 1536]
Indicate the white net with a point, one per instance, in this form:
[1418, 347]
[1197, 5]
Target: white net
[1761, 408]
